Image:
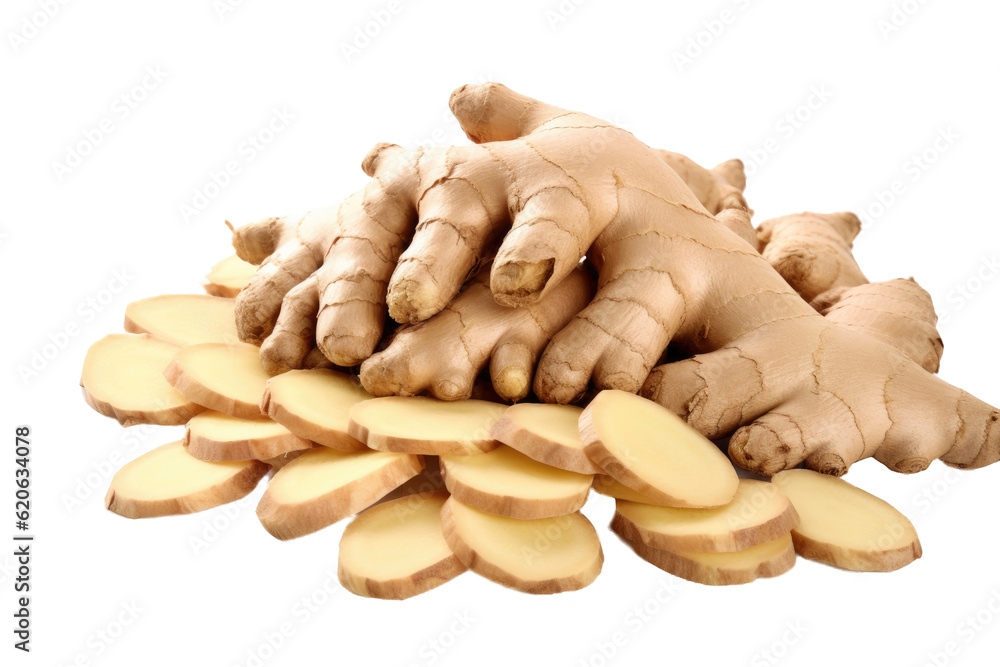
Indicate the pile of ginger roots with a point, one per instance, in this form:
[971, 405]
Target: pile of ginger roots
[561, 255]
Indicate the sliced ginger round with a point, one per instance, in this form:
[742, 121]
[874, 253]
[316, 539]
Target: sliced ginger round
[229, 276]
[225, 378]
[184, 319]
[216, 436]
[651, 450]
[396, 549]
[532, 555]
[759, 513]
[123, 378]
[420, 425]
[168, 480]
[315, 405]
[844, 526]
[769, 559]
[428, 481]
[546, 432]
[323, 486]
[508, 483]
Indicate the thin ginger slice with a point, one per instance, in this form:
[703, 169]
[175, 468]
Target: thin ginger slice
[606, 485]
[216, 436]
[651, 450]
[759, 513]
[123, 378]
[225, 378]
[396, 549]
[845, 526]
[168, 480]
[324, 485]
[184, 319]
[420, 425]
[546, 432]
[315, 405]
[539, 556]
[508, 483]
[229, 276]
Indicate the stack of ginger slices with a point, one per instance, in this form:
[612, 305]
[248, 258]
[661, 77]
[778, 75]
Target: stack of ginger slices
[438, 487]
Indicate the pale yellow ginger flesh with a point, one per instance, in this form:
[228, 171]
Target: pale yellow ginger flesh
[546, 432]
[428, 481]
[421, 425]
[315, 405]
[323, 486]
[280, 461]
[396, 549]
[845, 526]
[229, 276]
[216, 436]
[538, 556]
[759, 513]
[651, 450]
[123, 378]
[184, 319]
[506, 482]
[769, 559]
[225, 378]
[606, 485]
[168, 480]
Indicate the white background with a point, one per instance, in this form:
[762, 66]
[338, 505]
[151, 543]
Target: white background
[887, 91]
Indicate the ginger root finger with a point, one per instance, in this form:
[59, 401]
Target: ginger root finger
[718, 188]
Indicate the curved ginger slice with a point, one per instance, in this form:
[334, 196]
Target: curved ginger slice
[845, 526]
[396, 549]
[168, 480]
[651, 450]
[420, 425]
[216, 436]
[225, 378]
[538, 556]
[228, 277]
[123, 378]
[315, 404]
[184, 319]
[508, 483]
[323, 486]
[759, 513]
[546, 432]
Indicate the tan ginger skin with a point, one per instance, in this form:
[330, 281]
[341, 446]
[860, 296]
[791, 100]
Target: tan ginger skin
[790, 385]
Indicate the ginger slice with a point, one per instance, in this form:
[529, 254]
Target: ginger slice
[225, 378]
[229, 276]
[759, 513]
[123, 378]
[396, 549]
[280, 461]
[323, 486]
[315, 404]
[538, 556]
[546, 432]
[184, 319]
[419, 425]
[168, 480]
[428, 481]
[845, 526]
[769, 559]
[508, 483]
[651, 450]
[606, 485]
[215, 436]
